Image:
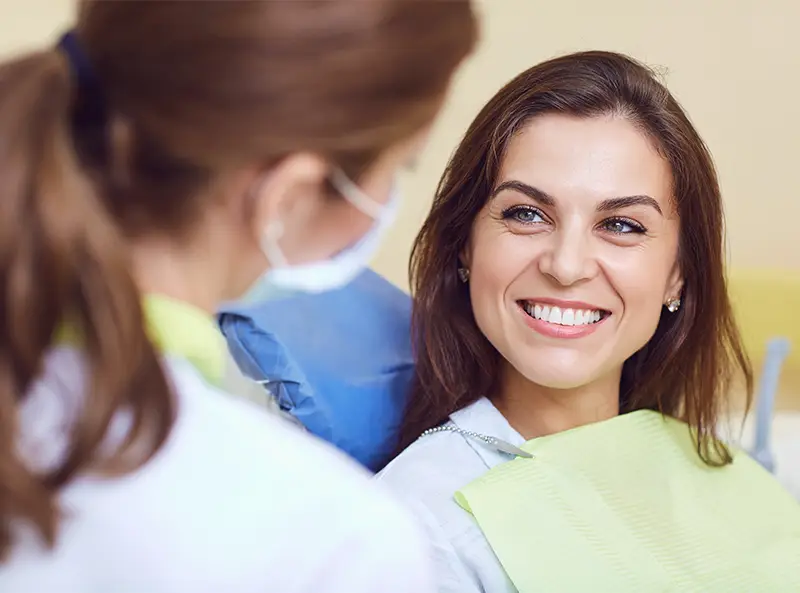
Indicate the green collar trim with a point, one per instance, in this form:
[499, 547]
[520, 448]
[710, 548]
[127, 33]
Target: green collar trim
[179, 329]
[183, 330]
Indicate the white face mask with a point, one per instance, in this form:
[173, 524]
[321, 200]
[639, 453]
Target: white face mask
[338, 271]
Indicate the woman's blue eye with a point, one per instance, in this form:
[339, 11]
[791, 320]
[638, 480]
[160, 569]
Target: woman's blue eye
[524, 215]
[621, 226]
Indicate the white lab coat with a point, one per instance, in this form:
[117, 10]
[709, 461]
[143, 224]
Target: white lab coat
[429, 473]
[237, 501]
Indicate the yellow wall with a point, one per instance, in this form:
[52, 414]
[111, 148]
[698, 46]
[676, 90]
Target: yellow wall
[26, 24]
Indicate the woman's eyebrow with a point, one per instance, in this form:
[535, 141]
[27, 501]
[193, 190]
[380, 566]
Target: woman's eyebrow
[532, 192]
[626, 201]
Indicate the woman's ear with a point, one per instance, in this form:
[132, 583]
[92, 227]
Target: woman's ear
[464, 256]
[288, 192]
[462, 268]
[674, 284]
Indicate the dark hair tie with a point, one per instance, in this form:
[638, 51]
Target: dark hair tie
[90, 106]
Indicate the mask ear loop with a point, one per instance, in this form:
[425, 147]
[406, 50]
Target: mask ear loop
[355, 195]
[269, 245]
[349, 190]
[271, 236]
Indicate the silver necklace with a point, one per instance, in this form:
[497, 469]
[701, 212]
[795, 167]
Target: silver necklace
[494, 442]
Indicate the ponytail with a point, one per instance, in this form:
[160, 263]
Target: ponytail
[63, 261]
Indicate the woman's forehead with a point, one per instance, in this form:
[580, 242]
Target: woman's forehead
[592, 158]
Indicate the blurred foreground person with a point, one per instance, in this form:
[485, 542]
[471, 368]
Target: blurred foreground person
[167, 157]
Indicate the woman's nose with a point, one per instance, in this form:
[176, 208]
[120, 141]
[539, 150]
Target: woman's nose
[568, 258]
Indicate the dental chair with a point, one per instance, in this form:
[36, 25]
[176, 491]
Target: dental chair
[766, 304]
[338, 363]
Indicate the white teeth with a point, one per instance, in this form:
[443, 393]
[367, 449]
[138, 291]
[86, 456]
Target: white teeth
[563, 316]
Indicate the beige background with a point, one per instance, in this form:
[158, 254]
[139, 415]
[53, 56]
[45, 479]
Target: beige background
[734, 64]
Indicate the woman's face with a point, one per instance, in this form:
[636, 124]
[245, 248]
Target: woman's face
[574, 255]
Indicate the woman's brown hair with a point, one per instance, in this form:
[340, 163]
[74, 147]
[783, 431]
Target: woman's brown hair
[687, 368]
[172, 95]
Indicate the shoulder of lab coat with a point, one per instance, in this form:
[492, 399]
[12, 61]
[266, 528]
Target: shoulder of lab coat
[236, 500]
[428, 474]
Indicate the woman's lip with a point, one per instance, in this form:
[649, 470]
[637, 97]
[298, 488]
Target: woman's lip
[562, 304]
[554, 330]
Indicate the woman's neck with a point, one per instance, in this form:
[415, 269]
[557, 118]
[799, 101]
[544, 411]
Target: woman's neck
[162, 268]
[535, 411]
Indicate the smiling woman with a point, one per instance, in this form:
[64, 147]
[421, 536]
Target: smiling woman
[581, 185]
[571, 310]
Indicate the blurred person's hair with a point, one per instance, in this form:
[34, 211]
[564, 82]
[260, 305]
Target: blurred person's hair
[174, 96]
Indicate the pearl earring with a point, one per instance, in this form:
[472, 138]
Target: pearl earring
[673, 305]
[463, 274]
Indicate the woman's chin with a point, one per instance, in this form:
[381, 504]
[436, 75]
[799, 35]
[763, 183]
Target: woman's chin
[574, 373]
[559, 381]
